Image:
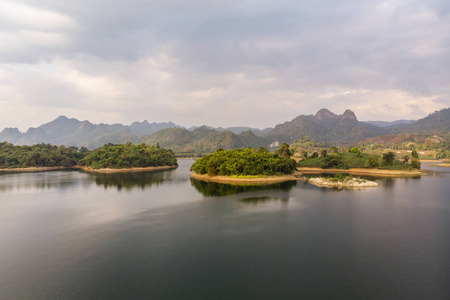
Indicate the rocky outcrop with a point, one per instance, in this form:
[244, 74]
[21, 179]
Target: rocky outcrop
[351, 183]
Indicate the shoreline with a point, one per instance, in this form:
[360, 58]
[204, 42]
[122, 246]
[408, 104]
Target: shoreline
[442, 165]
[243, 180]
[361, 171]
[128, 170]
[88, 169]
[38, 169]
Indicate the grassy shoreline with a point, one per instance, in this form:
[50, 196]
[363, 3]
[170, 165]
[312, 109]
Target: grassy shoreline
[245, 180]
[361, 171]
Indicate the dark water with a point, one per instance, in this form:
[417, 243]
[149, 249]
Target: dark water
[72, 235]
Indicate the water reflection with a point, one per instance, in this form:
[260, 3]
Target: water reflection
[262, 200]
[129, 181]
[37, 180]
[208, 188]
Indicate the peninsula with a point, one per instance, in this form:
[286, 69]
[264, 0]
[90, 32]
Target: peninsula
[356, 163]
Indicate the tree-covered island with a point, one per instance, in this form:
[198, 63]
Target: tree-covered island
[38, 156]
[246, 166]
[109, 158]
[128, 157]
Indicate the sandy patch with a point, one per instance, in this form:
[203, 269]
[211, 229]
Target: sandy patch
[253, 180]
[128, 170]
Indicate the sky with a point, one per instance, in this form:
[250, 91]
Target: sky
[221, 63]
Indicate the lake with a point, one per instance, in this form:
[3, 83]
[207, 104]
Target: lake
[75, 235]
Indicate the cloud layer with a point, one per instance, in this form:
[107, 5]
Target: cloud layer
[221, 63]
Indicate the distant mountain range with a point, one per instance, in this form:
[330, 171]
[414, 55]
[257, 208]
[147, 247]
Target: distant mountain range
[324, 126]
[72, 132]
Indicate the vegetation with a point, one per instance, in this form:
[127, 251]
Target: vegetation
[245, 162]
[39, 155]
[203, 140]
[357, 159]
[128, 156]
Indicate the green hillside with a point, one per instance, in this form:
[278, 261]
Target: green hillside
[203, 140]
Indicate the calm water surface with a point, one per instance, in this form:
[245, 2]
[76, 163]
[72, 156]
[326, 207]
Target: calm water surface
[73, 235]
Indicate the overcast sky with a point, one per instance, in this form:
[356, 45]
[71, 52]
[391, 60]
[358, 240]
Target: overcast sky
[221, 63]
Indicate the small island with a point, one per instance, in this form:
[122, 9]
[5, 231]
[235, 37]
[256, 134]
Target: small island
[110, 158]
[339, 182]
[39, 157]
[128, 158]
[246, 166]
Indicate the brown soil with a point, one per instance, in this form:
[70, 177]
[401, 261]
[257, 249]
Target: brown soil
[361, 171]
[128, 170]
[37, 169]
[242, 180]
[443, 165]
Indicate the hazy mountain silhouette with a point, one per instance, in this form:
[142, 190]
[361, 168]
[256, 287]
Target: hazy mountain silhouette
[324, 126]
[72, 132]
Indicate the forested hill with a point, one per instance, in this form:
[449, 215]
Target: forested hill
[437, 122]
[203, 140]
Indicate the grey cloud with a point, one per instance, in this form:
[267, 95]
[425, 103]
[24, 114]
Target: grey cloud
[281, 48]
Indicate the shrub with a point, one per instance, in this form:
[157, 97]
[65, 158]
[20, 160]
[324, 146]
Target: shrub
[415, 164]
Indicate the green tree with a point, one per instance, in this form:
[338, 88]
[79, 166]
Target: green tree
[305, 154]
[405, 158]
[414, 154]
[284, 151]
[415, 164]
[388, 158]
[333, 149]
[354, 150]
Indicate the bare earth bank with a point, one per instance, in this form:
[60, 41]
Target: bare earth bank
[361, 171]
[443, 165]
[37, 169]
[88, 169]
[245, 180]
[128, 170]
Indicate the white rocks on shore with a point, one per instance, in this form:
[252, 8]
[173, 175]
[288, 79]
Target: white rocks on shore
[352, 183]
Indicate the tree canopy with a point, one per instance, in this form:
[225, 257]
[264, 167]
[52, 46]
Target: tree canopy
[39, 155]
[243, 162]
[128, 156]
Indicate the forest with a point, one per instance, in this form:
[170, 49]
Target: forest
[128, 156]
[109, 156]
[39, 155]
[354, 158]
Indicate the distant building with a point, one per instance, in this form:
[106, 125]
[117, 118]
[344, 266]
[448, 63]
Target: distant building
[275, 144]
